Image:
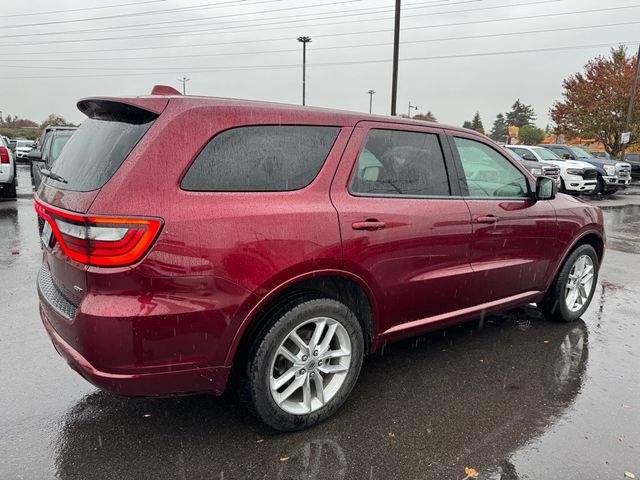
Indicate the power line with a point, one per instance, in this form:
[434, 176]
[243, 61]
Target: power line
[337, 47]
[337, 34]
[235, 3]
[330, 64]
[151, 26]
[252, 30]
[31, 14]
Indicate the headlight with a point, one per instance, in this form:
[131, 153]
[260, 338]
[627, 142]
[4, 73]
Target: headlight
[575, 171]
[610, 169]
[536, 172]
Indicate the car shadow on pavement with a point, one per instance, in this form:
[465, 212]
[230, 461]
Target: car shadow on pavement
[426, 407]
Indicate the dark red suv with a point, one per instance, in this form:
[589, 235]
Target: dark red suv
[187, 237]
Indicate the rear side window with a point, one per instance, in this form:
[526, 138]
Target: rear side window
[265, 158]
[398, 163]
[97, 149]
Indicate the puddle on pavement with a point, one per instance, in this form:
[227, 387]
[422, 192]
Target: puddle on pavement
[622, 225]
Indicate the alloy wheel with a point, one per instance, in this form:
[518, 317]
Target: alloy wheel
[310, 365]
[579, 283]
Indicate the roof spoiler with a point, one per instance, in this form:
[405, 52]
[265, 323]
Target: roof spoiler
[164, 90]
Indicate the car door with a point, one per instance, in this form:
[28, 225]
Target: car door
[514, 235]
[405, 230]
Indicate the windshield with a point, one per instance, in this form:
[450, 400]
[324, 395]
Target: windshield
[580, 153]
[513, 154]
[546, 154]
[24, 143]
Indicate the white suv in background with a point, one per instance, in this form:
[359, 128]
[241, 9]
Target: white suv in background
[575, 176]
[7, 171]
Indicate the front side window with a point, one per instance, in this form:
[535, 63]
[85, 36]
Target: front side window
[488, 174]
[400, 163]
[56, 148]
[261, 158]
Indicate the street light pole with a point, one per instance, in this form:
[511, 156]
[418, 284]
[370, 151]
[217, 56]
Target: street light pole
[396, 47]
[371, 92]
[184, 81]
[411, 107]
[304, 41]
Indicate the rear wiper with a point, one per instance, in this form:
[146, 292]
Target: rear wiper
[54, 176]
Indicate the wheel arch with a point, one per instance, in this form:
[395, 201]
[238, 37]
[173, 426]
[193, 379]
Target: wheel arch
[591, 237]
[340, 285]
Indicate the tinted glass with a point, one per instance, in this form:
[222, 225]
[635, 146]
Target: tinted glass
[264, 158]
[56, 148]
[401, 163]
[97, 149]
[489, 174]
[513, 154]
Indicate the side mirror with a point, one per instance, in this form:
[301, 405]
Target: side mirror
[528, 156]
[34, 155]
[546, 188]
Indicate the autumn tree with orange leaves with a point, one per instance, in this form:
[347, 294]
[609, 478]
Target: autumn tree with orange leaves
[596, 101]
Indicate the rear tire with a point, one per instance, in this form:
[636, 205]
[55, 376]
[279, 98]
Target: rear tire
[572, 290]
[315, 375]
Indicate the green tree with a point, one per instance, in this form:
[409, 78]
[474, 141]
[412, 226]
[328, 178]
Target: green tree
[520, 115]
[467, 124]
[476, 123]
[531, 135]
[595, 102]
[54, 121]
[499, 130]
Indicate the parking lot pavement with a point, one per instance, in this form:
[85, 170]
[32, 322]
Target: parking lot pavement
[518, 398]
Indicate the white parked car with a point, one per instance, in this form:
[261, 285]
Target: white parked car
[7, 171]
[22, 148]
[575, 176]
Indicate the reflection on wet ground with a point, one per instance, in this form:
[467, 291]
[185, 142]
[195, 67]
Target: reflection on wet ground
[518, 398]
[623, 228]
[426, 407]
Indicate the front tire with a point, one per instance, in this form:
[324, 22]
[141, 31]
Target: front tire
[303, 367]
[572, 291]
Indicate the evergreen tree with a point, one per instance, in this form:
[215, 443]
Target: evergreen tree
[499, 130]
[521, 115]
[467, 124]
[476, 123]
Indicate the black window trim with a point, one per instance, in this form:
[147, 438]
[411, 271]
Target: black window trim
[462, 178]
[446, 154]
[341, 129]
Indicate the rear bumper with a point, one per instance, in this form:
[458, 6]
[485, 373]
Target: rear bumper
[204, 380]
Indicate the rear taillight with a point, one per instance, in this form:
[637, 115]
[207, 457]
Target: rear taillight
[101, 241]
[4, 155]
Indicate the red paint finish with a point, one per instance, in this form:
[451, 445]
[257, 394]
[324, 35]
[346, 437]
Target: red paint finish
[171, 321]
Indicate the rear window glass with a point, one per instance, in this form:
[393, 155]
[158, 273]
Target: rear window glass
[97, 149]
[264, 158]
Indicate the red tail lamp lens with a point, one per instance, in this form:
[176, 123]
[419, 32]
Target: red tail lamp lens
[4, 155]
[101, 241]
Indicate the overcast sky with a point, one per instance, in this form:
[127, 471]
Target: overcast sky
[248, 49]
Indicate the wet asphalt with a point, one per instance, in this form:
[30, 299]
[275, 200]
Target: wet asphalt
[517, 397]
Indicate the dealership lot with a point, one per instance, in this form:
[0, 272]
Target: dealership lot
[513, 397]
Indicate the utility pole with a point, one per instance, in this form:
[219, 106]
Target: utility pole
[184, 81]
[304, 41]
[371, 92]
[411, 107]
[632, 100]
[396, 47]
